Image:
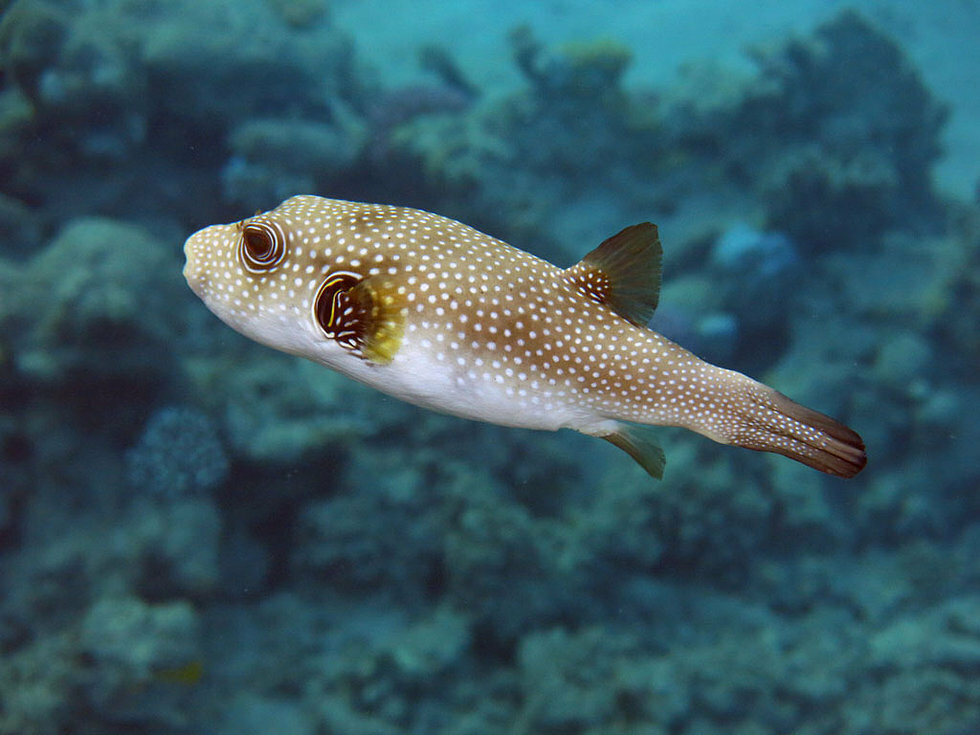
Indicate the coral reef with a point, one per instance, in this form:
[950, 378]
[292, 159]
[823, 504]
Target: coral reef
[188, 519]
[179, 453]
[274, 158]
[156, 91]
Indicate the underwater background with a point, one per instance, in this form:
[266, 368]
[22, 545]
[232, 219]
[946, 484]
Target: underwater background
[202, 535]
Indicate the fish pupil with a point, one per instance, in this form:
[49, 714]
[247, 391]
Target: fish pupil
[258, 243]
[262, 247]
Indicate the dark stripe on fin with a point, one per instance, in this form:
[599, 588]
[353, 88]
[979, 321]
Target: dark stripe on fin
[623, 273]
[639, 443]
[775, 423]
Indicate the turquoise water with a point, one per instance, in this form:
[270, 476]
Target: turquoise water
[199, 534]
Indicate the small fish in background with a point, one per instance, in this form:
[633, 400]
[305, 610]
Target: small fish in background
[188, 674]
[438, 314]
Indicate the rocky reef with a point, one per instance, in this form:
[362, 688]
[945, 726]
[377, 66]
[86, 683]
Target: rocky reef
[200, 535]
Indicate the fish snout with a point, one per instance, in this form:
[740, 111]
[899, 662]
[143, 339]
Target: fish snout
[197, 280]
[205, 253]
[194, 271]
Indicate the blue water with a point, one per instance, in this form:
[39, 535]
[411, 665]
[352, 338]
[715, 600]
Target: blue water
[201, 535]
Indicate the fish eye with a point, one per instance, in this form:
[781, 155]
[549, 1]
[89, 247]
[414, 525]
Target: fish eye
[262, 246]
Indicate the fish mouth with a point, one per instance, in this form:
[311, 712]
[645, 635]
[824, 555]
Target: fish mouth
[196, 277]
[198, 282]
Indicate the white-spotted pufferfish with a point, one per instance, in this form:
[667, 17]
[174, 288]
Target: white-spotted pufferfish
[436, 313]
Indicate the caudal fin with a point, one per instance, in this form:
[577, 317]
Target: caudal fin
[766, 420]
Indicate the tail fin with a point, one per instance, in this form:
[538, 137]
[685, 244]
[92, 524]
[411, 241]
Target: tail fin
[768, 421]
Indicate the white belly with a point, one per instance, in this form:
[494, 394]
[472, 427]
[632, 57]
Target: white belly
[424, 373]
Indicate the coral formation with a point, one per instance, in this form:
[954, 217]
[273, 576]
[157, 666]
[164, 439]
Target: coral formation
[186, 518]
[179, 453]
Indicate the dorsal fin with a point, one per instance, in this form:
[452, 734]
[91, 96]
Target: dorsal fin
[623, 273]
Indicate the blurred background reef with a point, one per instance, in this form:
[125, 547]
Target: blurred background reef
[199, 535]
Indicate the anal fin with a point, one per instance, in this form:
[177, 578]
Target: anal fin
[640, 443]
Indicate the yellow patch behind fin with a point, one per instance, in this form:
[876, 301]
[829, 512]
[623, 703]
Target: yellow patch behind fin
[383, 322]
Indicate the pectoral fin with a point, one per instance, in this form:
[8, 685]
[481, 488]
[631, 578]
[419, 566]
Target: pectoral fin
[363, 315]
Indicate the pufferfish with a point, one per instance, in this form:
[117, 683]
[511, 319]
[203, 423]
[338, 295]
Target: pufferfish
[438, 314]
